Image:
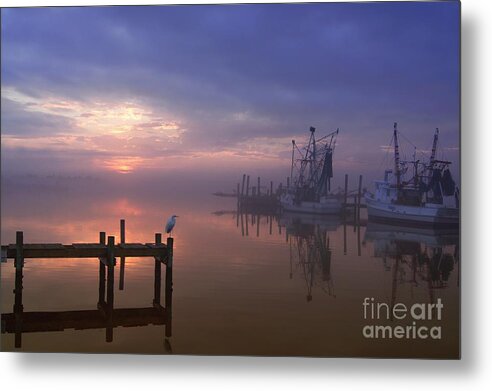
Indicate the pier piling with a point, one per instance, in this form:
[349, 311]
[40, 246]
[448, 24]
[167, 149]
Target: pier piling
[242, 187]
[345, 193]
[157, 273]
[110, 289]
[121, 285]
[18, 306]
[169, 286]
[102, 272]
[359, 197]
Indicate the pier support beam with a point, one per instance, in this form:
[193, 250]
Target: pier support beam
[110, 292]
[102, 274]
[242, 185]
[121, 284]
[18, 306]
[169, 286]
[345, 193]
[157, 274]
[359, 196]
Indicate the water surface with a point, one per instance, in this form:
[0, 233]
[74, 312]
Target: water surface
[244, 284]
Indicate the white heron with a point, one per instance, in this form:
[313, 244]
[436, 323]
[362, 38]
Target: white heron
[171, 222]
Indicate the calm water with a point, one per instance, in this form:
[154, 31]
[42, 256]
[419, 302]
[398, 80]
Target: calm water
[243, 284]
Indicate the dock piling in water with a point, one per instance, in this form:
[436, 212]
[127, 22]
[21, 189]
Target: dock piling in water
[121, 284]
[157, 273]
[345, 193]
[169, 286]
[359, 197]
[242, 187]
[110, 289]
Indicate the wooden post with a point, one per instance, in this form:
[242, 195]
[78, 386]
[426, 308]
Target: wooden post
[157, 274]
[345, 198]
[271, 188]
[258, 226]
[359, 252]
[344, 237]
[355, 211]
[169, 286]
[122, 231]
[247, 224]
[19, 250]
[102, 273]
[288, 182]
[242, 187]
[121, 285]
[253, 191]
[359, 198]
[110, 292]
[18, 306]
[247, 186]
[259, 192]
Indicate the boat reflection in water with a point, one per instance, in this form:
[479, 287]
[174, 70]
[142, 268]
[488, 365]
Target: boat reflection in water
[309, 245]
[308, 239]
[421, 257]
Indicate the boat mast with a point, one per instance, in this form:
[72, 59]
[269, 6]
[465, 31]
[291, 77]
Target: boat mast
[434, 147]
[397, 158]
[292, 164]
[313, 154]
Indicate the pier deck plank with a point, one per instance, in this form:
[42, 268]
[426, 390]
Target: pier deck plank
[85, 250]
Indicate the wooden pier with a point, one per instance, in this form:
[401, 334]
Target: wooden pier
[260, 199]
[105, 316]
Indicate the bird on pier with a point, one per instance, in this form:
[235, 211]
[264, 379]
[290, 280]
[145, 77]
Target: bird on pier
[171, 222]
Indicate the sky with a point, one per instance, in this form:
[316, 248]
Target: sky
[135, 91]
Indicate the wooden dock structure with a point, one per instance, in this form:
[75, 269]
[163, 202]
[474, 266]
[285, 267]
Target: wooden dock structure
[105, 316]
[261, 199]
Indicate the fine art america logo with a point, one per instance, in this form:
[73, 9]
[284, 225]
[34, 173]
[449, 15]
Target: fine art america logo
[410, 316]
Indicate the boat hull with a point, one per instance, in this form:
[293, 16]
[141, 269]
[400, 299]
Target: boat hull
[328, 206]
[412, 215]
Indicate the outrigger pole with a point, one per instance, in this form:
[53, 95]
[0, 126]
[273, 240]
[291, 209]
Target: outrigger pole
[434, 146]
[397, 158]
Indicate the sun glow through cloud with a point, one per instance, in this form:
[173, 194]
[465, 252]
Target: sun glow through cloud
[110, 128]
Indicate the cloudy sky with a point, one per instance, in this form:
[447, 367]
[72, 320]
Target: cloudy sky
[128, 90]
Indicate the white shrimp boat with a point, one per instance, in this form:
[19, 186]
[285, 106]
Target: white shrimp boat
[430, 197]
[308, 190]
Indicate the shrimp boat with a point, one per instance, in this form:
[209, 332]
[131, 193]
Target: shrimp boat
[308, 190]
[429, 197]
